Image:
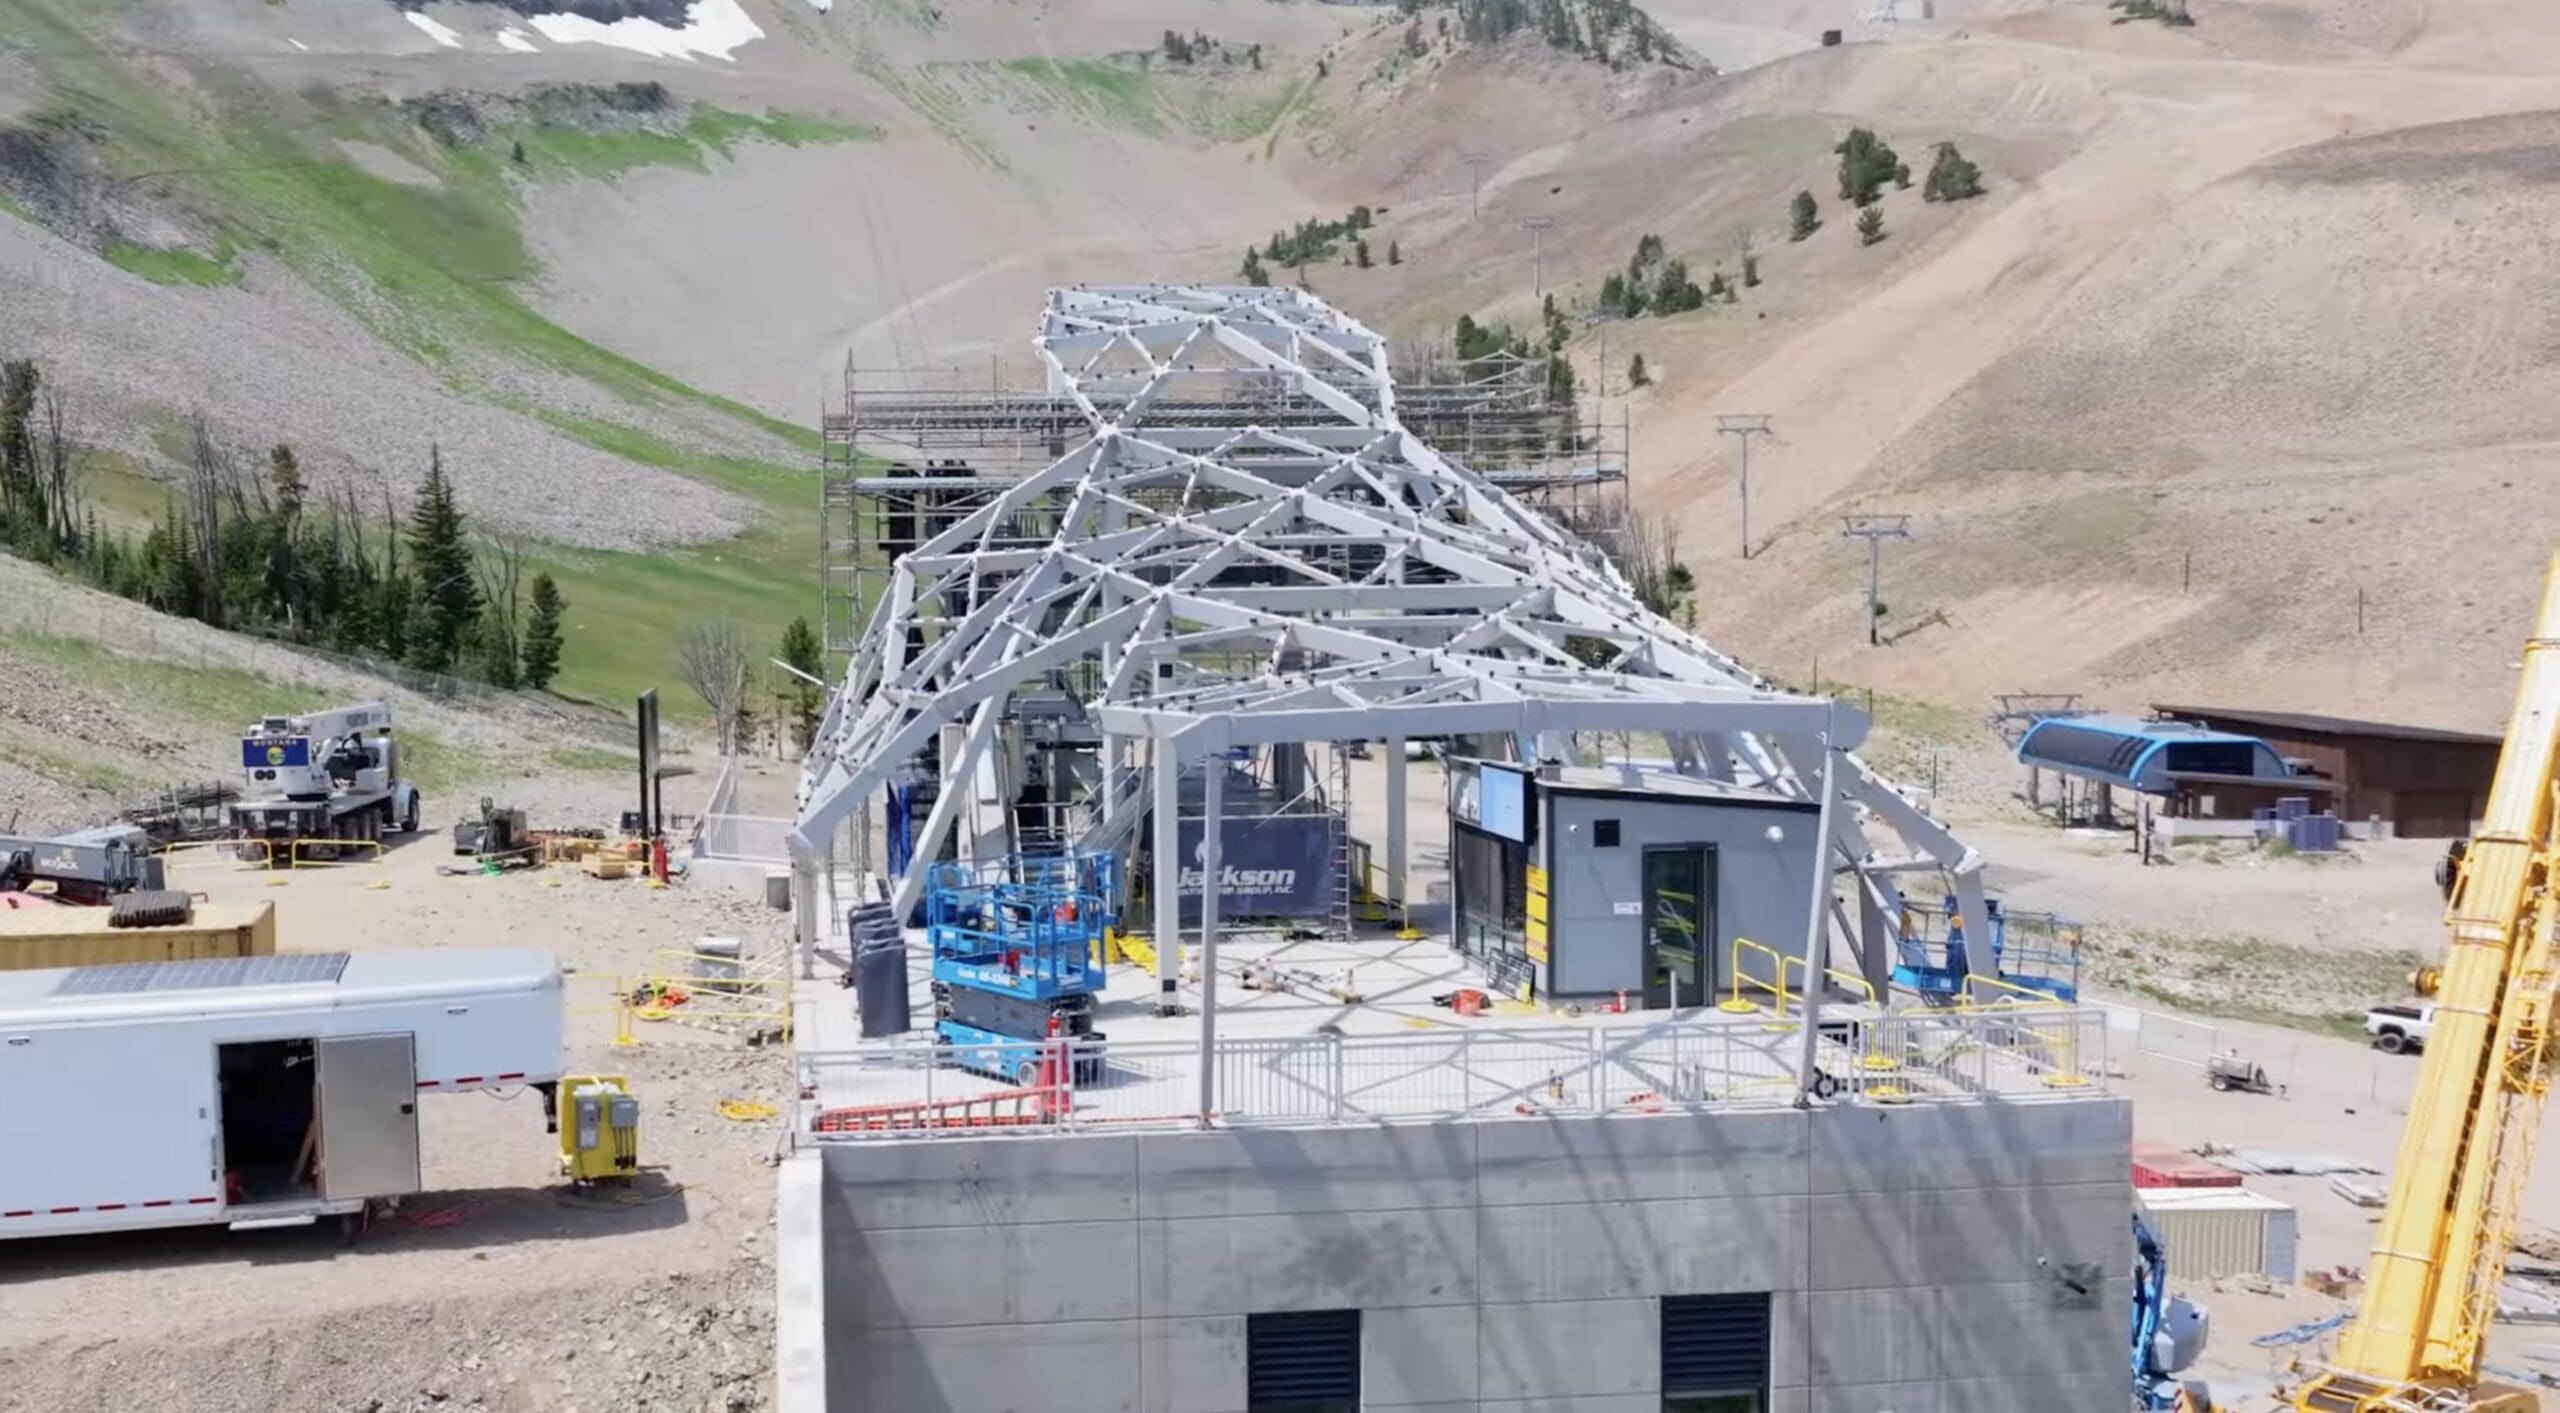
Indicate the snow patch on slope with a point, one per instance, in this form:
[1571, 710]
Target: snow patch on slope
[516, 41]
[713, 27]
[439, 33]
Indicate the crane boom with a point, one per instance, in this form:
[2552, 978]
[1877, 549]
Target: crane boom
[2456, 1186]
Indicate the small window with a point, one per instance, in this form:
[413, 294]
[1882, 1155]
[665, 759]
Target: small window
[1604, 834]
[1303, 1361]
[1715, 1353]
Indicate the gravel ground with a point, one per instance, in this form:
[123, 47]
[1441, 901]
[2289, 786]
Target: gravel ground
[497, 1289]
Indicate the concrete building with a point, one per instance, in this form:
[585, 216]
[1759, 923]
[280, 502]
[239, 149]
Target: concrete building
[1264, 1167]
[1957, 1258]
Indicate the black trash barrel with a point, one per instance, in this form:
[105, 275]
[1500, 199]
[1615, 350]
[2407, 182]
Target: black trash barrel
[879, 970]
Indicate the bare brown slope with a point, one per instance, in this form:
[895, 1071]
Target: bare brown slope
[2289, 445]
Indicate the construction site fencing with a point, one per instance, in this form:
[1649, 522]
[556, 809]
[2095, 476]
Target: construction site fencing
[911, 1087]
[743, 838]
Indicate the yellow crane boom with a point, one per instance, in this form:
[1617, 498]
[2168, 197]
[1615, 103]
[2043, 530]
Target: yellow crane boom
[2431, 1287]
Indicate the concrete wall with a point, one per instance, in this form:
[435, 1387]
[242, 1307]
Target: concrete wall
[1958, 1259]
[1761, 889]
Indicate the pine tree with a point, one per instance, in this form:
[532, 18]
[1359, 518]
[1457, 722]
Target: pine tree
[447, 596]
[1951, 177]
[1803, 217]
[1253, 271]
[1751, 271]
[1395, 256]
[1870, 224]
[542, 634]
[800, 650]
[1637, 377]
[1360, 254]
[1865, 165]
[285, 589]
[1902, 176]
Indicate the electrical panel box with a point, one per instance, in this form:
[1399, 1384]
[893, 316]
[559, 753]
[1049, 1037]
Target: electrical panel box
[600, 1130]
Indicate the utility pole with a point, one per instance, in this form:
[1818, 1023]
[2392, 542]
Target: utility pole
[1875, 530]
[1743, 426]
[1537, 227]
[1475, 162]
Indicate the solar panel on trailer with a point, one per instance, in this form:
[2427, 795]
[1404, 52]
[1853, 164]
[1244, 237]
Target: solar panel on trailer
[205, 974]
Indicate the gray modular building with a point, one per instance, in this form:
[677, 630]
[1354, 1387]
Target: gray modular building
[1941, 1258]
[1587, 883]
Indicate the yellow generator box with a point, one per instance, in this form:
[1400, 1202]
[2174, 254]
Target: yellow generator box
[599, 1129]
[79, 937]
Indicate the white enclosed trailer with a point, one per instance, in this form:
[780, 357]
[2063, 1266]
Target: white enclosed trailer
[250, 1091]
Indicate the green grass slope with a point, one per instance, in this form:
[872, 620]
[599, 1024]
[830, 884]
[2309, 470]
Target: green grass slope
[430, 259]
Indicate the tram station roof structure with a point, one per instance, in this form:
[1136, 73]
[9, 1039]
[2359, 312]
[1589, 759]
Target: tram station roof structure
[1247, 546]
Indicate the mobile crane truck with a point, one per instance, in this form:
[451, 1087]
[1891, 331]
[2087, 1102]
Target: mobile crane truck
[2457, 1186]
[331, 775]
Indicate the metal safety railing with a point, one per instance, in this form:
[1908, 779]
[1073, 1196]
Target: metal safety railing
[742, 838]
[911, 1087]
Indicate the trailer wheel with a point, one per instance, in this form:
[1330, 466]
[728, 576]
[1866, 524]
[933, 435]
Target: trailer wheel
[409, 822]
[1026, 1073]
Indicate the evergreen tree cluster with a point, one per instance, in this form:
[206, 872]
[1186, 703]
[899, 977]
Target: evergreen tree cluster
[1196, 48]
[253, 549]
[1654, 283]
[1951, 177]
[1311, 242]
[1615, 32]
[1866, 164]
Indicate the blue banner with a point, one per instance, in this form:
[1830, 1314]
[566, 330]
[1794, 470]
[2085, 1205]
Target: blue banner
[1268, 866]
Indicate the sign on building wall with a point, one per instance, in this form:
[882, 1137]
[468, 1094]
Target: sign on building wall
[1268, 866]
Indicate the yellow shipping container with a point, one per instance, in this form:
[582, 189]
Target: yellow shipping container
[80, 937]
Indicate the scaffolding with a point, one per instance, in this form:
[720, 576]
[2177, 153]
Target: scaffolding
[909, 452]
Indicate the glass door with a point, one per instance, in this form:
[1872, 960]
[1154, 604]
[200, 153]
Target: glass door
[1679, 909]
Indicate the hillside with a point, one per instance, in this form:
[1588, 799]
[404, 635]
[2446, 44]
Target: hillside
[2218, 348]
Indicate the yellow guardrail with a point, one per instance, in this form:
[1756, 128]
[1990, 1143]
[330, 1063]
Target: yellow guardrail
[256, 853]
[1377, 904]
[2063, 1045]
[2019, 997]
[298, 859]
[1737, 979]
[616, 1005]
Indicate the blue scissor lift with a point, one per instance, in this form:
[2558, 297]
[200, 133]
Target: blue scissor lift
[1017, 944]
[2032, 951]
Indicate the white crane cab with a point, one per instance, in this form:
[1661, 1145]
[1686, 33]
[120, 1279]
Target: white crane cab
[250, 1091]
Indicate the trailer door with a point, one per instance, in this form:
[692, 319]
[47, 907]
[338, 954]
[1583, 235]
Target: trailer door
[368, 1117]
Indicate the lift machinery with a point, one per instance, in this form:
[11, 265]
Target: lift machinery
[2431, 1288]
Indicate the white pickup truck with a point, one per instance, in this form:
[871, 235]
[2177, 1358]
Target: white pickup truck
[2400, 1026]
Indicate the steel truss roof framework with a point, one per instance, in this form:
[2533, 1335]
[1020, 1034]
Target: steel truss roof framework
[1199, 584]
